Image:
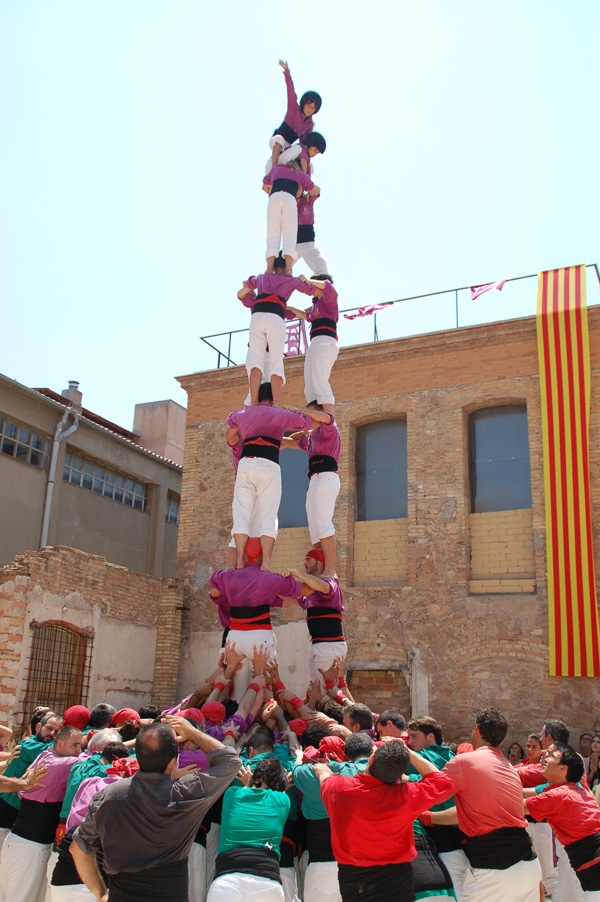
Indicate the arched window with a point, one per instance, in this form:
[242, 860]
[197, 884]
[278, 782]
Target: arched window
[294, 484]
[499, 459]
[381, 482]
[59, 666]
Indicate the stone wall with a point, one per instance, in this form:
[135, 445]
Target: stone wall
[427, 620]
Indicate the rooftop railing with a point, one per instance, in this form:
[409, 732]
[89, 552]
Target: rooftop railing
[451, 308]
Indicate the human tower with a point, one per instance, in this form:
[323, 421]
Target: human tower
[258, 432]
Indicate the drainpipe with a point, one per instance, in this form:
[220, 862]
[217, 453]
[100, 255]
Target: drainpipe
[59, 435]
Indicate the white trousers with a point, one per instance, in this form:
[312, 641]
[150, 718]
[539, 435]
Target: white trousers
[23, 870]
[321, 495]
[519, 883]
[543, 846]
[282, 225]
[76, 893]
[288, 153]
[4, 831]
[321, 656]
[212, 849]
[313, 256]
[321, 354]
[289, 884]
[245, 641]
[256, 497]
[321, 882]
[457, 865]
[245, 888]
[197, 873]
[567, 887]
[267, 330]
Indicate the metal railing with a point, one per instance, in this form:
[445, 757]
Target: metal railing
[227, 359]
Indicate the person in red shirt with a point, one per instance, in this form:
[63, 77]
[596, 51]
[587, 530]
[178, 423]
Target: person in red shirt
[573, 813]
[371, 817]
[489, 804]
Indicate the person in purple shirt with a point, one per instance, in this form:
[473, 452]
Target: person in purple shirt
[322, 352]
[244, 599]
[257, 491]
[284, 183]
[267, 296]
[306, 246]
[298, 120]
[323, 446]
[323, 606]
[27, 847]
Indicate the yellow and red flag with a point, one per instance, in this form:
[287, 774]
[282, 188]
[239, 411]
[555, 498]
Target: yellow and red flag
[564, 361]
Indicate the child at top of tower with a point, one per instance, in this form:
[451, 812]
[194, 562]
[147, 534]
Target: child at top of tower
[297, 123]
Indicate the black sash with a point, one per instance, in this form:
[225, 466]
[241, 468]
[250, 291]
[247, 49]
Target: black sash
[165, 883]
[380, 883]
[65, 873]
[305, 233]
[324, 624]
[429, 871]
[580, 852]
[37, 821]
[287, 132]
[318, 840]
[256, 618]
[248, 860]
[270, 303]
[323, 326]
[288, 846]
[447, 838]
[8, 814]
[288, 186]
[321, 463]
[499, 849]
[262, 446]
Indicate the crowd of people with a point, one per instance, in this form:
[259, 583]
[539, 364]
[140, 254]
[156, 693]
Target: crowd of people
[251, 790]
[277, 797]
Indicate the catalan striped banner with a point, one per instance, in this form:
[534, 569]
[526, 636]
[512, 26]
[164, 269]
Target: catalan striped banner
[564, 361]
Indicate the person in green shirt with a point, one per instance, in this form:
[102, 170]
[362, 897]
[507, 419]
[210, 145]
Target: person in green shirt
[252, 823]
[29, 749]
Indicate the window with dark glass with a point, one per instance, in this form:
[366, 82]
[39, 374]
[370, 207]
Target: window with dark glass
[499, 459]
[172, 512]
[21, 443]
[381, 481]
[294, 484]
[93, 476]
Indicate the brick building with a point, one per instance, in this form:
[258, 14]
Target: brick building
[95, 613]
[440, 525]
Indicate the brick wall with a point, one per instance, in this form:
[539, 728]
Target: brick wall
[380, 552]
[119, 608]
[502, 555]
[474, 647]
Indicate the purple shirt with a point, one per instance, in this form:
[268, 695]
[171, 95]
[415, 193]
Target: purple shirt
[262, 419]
[323, 440]
[325, 307]
[294, 116]
[317, 599]
[284, 172]
[250, 588]
[84, 795]
[275, 283]
[306, 209]
[55, 781]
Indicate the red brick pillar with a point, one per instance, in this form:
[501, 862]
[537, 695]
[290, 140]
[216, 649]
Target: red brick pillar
[168, 643]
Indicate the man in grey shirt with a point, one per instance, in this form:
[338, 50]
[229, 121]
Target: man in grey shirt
[145, 825]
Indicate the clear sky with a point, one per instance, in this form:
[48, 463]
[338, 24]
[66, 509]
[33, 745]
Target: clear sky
[462, 148]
